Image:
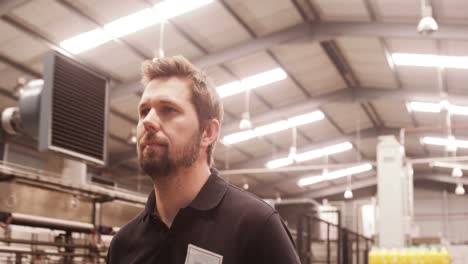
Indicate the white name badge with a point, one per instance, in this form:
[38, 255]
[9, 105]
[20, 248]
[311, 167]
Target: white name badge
[196, 255]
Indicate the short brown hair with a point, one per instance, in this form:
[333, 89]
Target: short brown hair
[204, 96]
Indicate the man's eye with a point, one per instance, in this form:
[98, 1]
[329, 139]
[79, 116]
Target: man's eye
[167, 109]
[144, 112]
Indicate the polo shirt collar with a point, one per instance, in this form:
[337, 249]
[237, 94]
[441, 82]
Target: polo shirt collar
[208, 198]
[211, 193]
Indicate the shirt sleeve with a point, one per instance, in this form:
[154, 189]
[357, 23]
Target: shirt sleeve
[273, 244]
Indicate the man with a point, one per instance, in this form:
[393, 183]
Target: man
[193, 215]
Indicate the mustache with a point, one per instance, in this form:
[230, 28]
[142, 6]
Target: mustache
[152, 138]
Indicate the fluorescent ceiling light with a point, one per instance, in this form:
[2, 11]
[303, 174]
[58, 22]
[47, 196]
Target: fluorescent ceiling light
[131, 23]
[306, 118]
[445, 142]
[278, 163]
[86, 41]
[251, 82]
[309, 155]
[427, 60]
[437, 107]
[458, 110]
[272, 127]
[424, 107]
[334, 174]
[238, 137]
[338, 148]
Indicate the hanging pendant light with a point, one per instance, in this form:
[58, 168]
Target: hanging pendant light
[245, 123]
[348, 194]
[457, 172]
[427, 24]
[459, 190]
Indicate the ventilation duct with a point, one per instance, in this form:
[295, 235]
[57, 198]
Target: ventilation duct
[65, 112]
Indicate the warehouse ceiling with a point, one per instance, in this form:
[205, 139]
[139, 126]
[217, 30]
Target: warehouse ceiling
[337, 56]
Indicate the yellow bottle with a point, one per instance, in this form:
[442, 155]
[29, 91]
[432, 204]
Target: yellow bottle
[446, 259]
[400, 256]
[372, 256]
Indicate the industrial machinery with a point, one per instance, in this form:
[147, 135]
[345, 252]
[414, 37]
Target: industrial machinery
[64, 112]
[59, 216]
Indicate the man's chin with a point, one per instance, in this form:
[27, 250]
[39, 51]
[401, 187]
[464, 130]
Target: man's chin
[154, 168]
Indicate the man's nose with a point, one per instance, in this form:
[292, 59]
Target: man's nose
[151, 122]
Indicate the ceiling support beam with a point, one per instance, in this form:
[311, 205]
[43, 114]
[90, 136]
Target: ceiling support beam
[372, 181]
[33, 32]
[313, 32]
[9, 5]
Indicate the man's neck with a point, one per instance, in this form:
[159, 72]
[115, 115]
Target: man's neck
[177, 191]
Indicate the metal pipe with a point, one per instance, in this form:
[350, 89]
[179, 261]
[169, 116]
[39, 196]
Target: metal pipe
[328, 243]
[309, 239]
[366, 252]
[338, 234]
[42, 243]
[45, 222]
[297, 201]
[39, 176]
[294, 168]
[299, 237]
[431, 159]
[45, 253]
[357, 249]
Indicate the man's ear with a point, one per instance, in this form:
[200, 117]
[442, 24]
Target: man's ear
[211, 132]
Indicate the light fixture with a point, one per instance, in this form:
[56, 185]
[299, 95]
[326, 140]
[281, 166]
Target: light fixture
[292, 153]
[437, 107]
[429, 60]
[306, 118]
[238, 137]
[309, 155]
[245, 121]
[450, 141]
[424, 107]
[427, 24]
[245, 186]
[134, 22]
[451, 144]
[278, 163]
[457, 110]
[459, 190]
[131, 139]
[278, 197]
[272, 127]
[251, 82]
[457, 172]
[293, 148]
[348, 194]
[334, 174]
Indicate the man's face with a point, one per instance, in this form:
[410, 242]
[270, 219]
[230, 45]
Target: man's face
[168, 134]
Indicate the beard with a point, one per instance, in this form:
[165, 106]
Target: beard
[163, 161]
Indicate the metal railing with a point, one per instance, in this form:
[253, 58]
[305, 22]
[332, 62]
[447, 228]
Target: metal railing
[333, 244]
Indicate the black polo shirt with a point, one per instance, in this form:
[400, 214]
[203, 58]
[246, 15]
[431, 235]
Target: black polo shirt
[222, 221]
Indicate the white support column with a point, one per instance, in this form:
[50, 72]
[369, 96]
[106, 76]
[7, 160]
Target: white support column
[391, 187]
